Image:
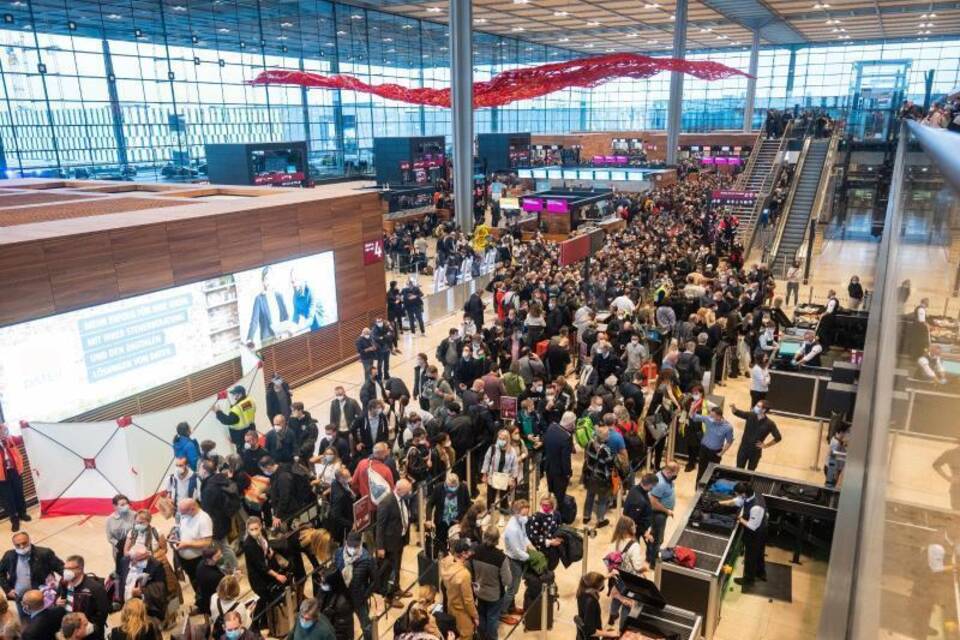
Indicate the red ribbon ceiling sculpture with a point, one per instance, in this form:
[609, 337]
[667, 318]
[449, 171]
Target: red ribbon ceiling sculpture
[517, 84]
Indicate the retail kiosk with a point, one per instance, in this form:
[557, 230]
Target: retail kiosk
[261, 164]
[409, 161]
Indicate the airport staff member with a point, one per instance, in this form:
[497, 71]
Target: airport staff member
[809, 352]
[240, 418]
[753, 517]
[756, 431]
[717, 438]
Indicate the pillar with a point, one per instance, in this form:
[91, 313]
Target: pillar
[751, 82]
[675, 108]
[461, 108]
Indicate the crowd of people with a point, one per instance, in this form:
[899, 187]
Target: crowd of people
[606, 363]
[943, 114]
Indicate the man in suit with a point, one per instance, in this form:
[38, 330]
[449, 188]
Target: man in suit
[413, 304]
[26, 566]
[419, 377]
[343, 410]
[386, 340]
[340, 517]
[370, 428]
[632, 389]
[392, 533]
[40, 623]
[142, 576]
[269, 310]
[372, 389]
[368, 351]
[557, 450]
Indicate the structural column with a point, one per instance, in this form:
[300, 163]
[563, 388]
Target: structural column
[675, 108]
[751, 82]
[461, 108]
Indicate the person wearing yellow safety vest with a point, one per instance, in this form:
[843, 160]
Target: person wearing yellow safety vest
[240, 418]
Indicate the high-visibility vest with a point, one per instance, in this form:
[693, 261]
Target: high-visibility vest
[246, 411]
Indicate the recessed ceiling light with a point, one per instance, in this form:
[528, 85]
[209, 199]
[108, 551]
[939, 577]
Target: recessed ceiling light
[631, 35]
[517, 29]
[564, 40]
[821, 5]
[593, 23]
[610, 50]
[223, 30]
[286, 25]
[443, 48]
[651, 5]
[388, 39]
[175, 7]
[529, 49]
[407, 27]
[426, 55]
[114, 16]
[521, 1]
[737, 42]
[706, 30]
[589, 45]
[652, 42]
[560, 14]
[933, 15]
[434, 9]
[673, 17]
[356, 16]
[329, 44]
[281, 37]
[480, 21]
[341, 33]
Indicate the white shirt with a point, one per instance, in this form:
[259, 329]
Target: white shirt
[225, 606]
[814, 350]
[759, 378]
[632, 558]
[623, 303]
[194, 527]
[921, 314]
[793, 274]
[133, 575]
[755, 517]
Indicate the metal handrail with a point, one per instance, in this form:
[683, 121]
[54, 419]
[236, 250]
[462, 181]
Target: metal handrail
[752, 160]
[788, 204]
[765, 188]
[821, 197]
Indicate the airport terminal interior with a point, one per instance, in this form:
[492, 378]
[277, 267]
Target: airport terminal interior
[479, 319]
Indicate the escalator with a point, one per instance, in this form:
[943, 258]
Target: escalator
[801, 200]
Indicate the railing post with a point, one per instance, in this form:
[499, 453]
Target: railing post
[421, 513]
[672, 437]
[816, 460]
[469, 463]
[534, 482]
[811, 232]
[584, 569]
[545, 606]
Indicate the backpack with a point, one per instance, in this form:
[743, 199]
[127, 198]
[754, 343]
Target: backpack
[301, 487]
[583, 433]
[232, 500]
[685, 557]
[686, 369]
[614, 559]
[217, 629]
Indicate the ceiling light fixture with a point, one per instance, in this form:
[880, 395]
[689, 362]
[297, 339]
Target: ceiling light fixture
[434, 9]
[589, 45]
[223, 30]
[521, 1]
[564, 40]
[329, 44]
[560, 14]
[821, 5]
[286, 25]
[673, 17]
[706, 30]
[632, 35]
[932, 15]
[651, 5]
[356, 16]
[593, 23]
[281, 37]
[114, 16]
[480, 21]
[175, 8]
[517, 29]
[341, 33]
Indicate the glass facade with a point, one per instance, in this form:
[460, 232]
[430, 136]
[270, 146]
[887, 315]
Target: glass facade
[136, 88]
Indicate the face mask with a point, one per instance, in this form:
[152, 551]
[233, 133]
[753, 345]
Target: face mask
[123, 509]
[696, 396]
[140, 527]
[340, 396]
[306, 624]
[502, 444]
[466, 355]
[351, 551]
[522, 519]
[546, 508]
[538, 389]
[142, 564]
[233, 634]
[23, 552]
[452, 489]
[277, 428]
[182, 471]
[247, 446]
[89, 629]
[69, 575]
[758, 411]
[328, 458]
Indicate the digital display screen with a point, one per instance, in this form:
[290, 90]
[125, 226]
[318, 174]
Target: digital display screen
[509, 203]
[569, 174]
[601, 174]
[585, 174]
[694, 148]
[618, 175]
[635, 176]
[539, 174]
[555, 173]
[557, 206]
[114, 350]
[524, 173]
[532, 204]
[707, 160]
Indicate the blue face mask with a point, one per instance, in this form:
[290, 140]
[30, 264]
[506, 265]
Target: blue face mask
[307, 625]
[233, 634]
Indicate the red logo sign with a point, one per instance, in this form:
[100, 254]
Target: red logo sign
[372, 252]
[508, 408]
[363, 511]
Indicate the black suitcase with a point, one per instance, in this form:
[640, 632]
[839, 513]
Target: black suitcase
[533, 604]
[428, 568]
[568, 510]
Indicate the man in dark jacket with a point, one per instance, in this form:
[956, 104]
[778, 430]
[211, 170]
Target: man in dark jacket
[468, 369]
[214, 487]
[142, 576]
[357, 568]
[370, 428]
[340, 517]
[557, 451]
[460, 429]
[39, 623]
[491, 575]
[281, 441]
[287, 493]
[633, 390]
[392, 532]
[448, 353]
[413, 305]
[17, 577]
[81, 593]
[252, 452]
[368, 351]
[385, 339]
[372, 389]
[447, 505]
[343, 410]
[637, 505]
[474, 307]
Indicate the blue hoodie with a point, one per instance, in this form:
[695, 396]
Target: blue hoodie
[187, 448]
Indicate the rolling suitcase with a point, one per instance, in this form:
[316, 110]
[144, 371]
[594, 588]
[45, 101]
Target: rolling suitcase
[428, 568]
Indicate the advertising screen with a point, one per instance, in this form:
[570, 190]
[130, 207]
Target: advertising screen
[509, 203]
[569, 174]
[557, 206]
[618, 175]
[64, 365]
[555, 173]
[601, 174]
[540, 174]
[585, 174]
[524, 173]
[532, 204]
[634, 175]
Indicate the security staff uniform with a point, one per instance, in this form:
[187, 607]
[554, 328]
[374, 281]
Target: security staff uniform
[753, 509]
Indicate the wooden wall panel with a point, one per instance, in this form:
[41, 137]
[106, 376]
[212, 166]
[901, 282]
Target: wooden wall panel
[81, 270]
[239, 240]
[315, 226]
[194, 252]
[278, 242]
[142, 259]
[27, 291]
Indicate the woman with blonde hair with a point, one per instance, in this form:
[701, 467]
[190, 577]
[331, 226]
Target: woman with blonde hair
[227, 599]
[501, 468]
[134, 623]
[9, 623]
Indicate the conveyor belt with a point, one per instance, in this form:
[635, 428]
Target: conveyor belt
[771, 488]
[700, 542]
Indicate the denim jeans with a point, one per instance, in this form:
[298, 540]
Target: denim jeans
[489, 618]
[616, 605]
[516, 574]
[363, 615]
[601, 504]
[656, 530]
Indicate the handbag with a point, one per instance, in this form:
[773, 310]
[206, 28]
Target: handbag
[657, 428]
[499, 480]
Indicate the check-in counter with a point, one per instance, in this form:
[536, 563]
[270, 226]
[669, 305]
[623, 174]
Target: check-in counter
[800, 392]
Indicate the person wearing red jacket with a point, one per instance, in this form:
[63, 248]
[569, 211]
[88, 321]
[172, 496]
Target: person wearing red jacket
[11, 478]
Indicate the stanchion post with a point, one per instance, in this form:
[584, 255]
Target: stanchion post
[586, 552]
[534, 485]
[648, 463]
[545, 609]
[672, 437]
[374, 627]
[469, 455]
[421, 513]
[816, 460]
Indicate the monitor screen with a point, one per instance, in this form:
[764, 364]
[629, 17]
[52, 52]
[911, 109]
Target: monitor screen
[539, 174]
[509, 203]
[618, 175]
[601, 174]
[569, 174]
[555, 173]
[635, 175]
[524, 173]
[585, 174]
[532, 204]
[707, 160]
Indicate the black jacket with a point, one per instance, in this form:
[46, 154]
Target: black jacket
[439, 495]
[273, 400]
[361, 431]
[90, 598]
[44, 625]
[389, 527]
[630, 391]
[282, 445]
[637, 508]
[396, 387]
[466, 371]
[412, 298]
[351, 409]
[208, 577]
[363, 348]
[251, 460]
[213, 500]
[153, 586]
[460, 430]
[340, 516]
[43, 562]
[258, 567]
[557, 449]
[284, 500]
[369, 391]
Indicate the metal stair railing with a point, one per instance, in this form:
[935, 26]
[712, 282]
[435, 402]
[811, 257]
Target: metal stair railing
[820, 199]
[788, 204]
[751, 161]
